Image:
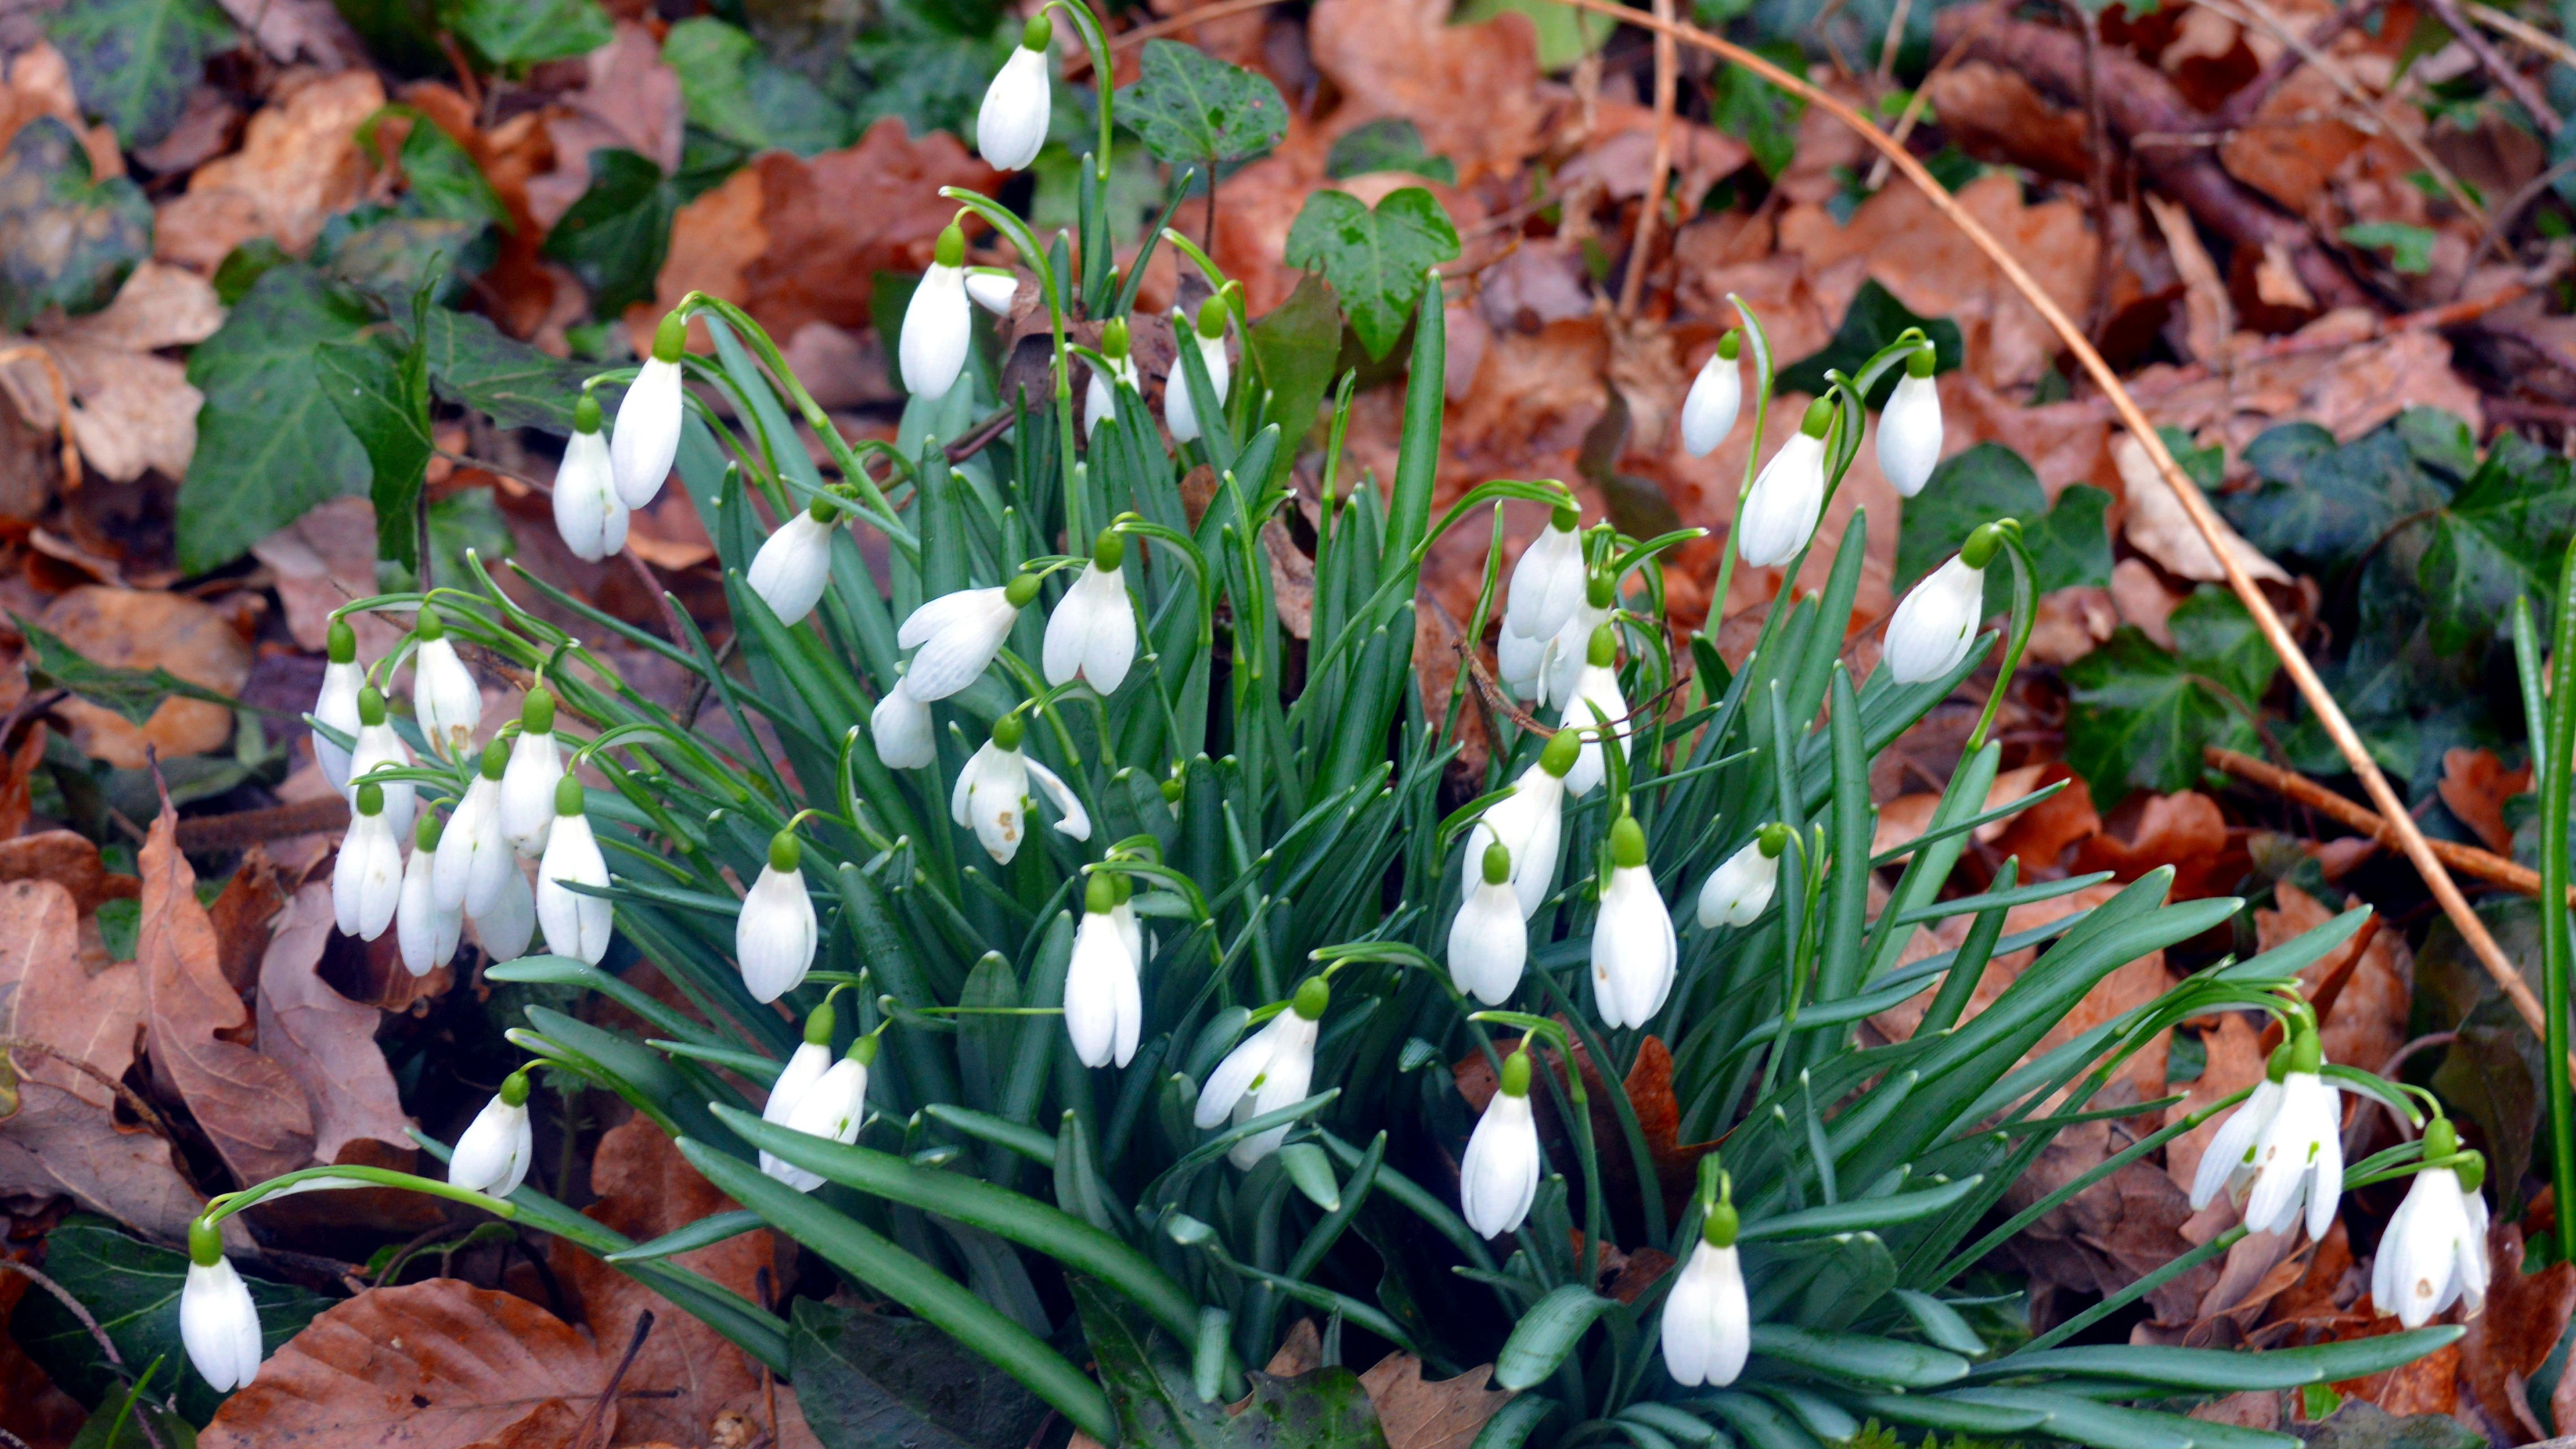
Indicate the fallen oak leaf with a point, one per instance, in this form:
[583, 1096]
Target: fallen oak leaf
[325, 1040]
[1422, 1413]
[2475, 785]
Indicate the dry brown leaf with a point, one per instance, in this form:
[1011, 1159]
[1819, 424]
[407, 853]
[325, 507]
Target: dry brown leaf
[2296, 142]
[70, 860]
[2525, 1314]
[2475, 785]
[1472, 89]
[2040, 835]
[2368, 1022]
[2185, 831]
[298, 163]
[39, 83]
[435, 1365]
[293, 30]
[131, 409]
[321, 561]
[2139, 593]
[2107, 1236]
[1903, 819]
[1995, 115]
[242, 913]
[2159, 528]
[1421, 1413]
[628, 99]
[325, 1040]
[2209, 319]
[147, 629]
[2348, 383]
[248, 1105]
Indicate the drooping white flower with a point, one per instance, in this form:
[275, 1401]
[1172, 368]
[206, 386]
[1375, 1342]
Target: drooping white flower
[1104, 1008]
[493, 1154]
[958, 634]
[1530, 823]
[218, 1322]
[647, 436]
[2298, 1159]
[445, 700]
[1780, 511]
[1012, 124]
[472, 854]
[527, 808]
[774, 933]
[795, 563]
[2434, 1251]
[2227, 1164]
[505, 930]
[378, 746]
[1180, 410]
[366, 881]
[900, 725]
[589, 513]
[1269, 1070]
[337, 704]
[1489, 938]
[1708, 1324]
[1498, 1176]
[1740, 888]
[1093, 629]
[1547, 584]
[796, 1081]
[1716, 395]
[425, 929]
[1560, 658]
[938, 327]
[991, 796]
[993, 288]
[576, 925]
[1929, 634]
[1100, 399]
[834, 1109]
[1594, 700]
[1633, 949]
[1909, 427]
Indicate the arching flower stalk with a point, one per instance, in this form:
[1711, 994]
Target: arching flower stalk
[1271, 1069]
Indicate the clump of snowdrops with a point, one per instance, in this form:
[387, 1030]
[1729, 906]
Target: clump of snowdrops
[1091, 944]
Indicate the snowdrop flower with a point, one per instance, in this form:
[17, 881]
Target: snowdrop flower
[993, 288]
[774, 933]
[1633, 950]
[1498, 1178]
[1529, 823]
[1595, 699]
[938, 328]
[589, 514]
[1716, 395]
[1270, 1070]
[1909, 427]
[958, 634]
[795, 563]
[834, 1109]
[576, 925]
[1929, 634]
[1708, 1325]
[992, 792]
[472, 855]
[2434, 1253]
[900, 725]
[425, 929]
[445, 700]
[2228, 1162]
[1547, 584]
[1779, 513]
[1013, 122]
[797, 1081]
[1561, 658]
[1100, 399]
[647, 435]
[527, 809]
[1489, 940]
[1739, 889]
[505, 930]
[367, 880]
[218, 1322]
[1104, 1011]
[1180, 412]
[2299, 1157]
[378, 746]
[337, 705]
[493, 1155]
[1093, 628]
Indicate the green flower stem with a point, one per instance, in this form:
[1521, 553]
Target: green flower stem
[2025, 614]
[229, 1203]
[1003, 220]
[1103, 75]
[2557, 945]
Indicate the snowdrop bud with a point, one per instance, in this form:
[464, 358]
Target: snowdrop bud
[505, 930]
[1270, 1070]
[647, 435]
[1548, 584]
[774, 934]
[1708, 1323]
[218, 1322]
[1489, 940]
[993, 289]
[1931, 630]
[379, 747]
[795, 563]
[1779, 514]
[2298, 1159]
[576, 925]
[1104, 1008]
[1013, 122]
[834, 1110]
[424, 929]
[1909, 427]
[2434, 1252]
[1633, 949]
[444, 697]
[796, 1081]
[492, 1157]
[1498, 1177]
[1595, 699]
[938, 328]
[1716, 395]
[958, 634]
[337, 704]
[472, 855]
[589, 514]
[367, 880]
[527, 808]
[1100, 400]
[900, 725]
[1180, 410]
[1093, 629]
[1738, 890]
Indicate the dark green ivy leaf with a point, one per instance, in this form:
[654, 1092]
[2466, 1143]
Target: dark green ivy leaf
[527, 32]
[928, 61]
[1873, 320]
[2069, 544]
[2504, 535]
[473, 365]
[1191, 106]
[384, 398]
[1376, 260]
[65, 240]
[868, 1380]
[442, 180]
[740, 96]
[1390, 143]
[1294, 349]
[615, 236]
[2322, 507]
[1766, 117]
[2139, 716]
[134, 61]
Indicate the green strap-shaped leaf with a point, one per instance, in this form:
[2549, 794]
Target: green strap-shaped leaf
[1859, 1213]
[1860, 1356]
[1546, 1334]
[2211, 1371]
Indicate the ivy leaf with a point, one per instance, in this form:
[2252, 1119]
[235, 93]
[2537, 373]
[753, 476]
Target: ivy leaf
[269, 444]
[65, 240]
[870, 1379]
[1391, 143]
[2220, 642]
[1294, 348]
[2070, 545]
[528, 32]
[2501, 537]
[1375, 259]
[2409, 248]
[1873, 320]
[1765, 116]
[133, 693]
[384, 398]
[442, 180]
[615, 236]
[473, 365]
[1191, 106]
[2323, 507]
[134, 61]
[745, 99]
[2139, 716]
[929, 61]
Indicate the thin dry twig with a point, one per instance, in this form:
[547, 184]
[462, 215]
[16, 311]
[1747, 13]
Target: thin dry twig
[1922, 97]
[2097, 161]
[2498, 69]
[2468, 859]
[2529, 34]
[598, 1415]
[1658, 171]
[2195, 504]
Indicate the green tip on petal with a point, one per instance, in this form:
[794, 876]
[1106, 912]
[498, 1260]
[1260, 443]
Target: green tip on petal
[568, 796]
[1819, 414]
[671, 337]
[424, 836]
[1563, 748]
[496, 759]
[205, 1243]
[1627, 843]
[371, 705]
[1516, 1073]
[1113, 337]
[1108, 551]
[784, 853]
[2441, 1139]
[371, 799]
[343, 643]
[1008, 731]
[514, 1088]
[585, 414]
[1020, 590]
[1212, 318]
[1498, 864]
[428, 625]
[1720, 1225]
[1314, 994]
[864, 1050]
[1603, 648]
[1100, 894]
[1037, 33]
[1773, 840]
[1982, 543]
[1565, 518]
[950, 250]
[820, 1023]
[1921, 361]
[1731, 345]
